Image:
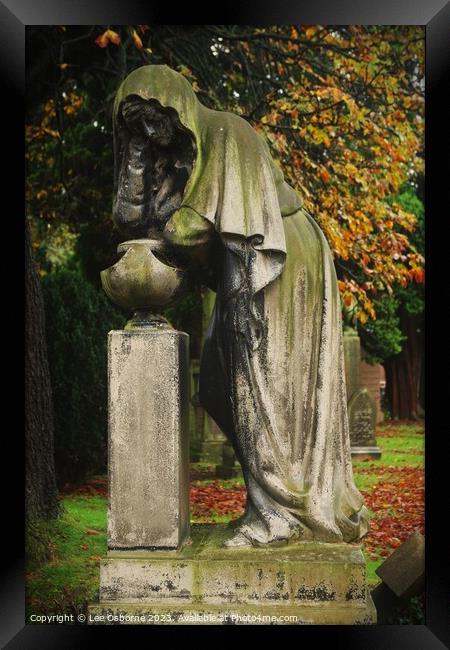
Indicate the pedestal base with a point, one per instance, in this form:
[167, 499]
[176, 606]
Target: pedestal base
[306, 583]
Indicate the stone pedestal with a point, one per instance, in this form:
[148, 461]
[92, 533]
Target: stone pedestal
[204, 582]
[148, 455]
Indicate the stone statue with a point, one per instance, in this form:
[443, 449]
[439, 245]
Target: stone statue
[203, 184]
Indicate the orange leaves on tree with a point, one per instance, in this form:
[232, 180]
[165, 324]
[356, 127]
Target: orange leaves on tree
[324, 174]
[311, 31]
[417, 274]
[349, 300]
[136, 39]
[109, 36]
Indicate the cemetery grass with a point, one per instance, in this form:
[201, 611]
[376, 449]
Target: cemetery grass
[68, 579]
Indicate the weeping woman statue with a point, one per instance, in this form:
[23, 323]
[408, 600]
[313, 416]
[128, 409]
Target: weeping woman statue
[272, 368]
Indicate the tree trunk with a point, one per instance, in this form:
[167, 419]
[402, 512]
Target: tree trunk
[40, 483]
[403, 372]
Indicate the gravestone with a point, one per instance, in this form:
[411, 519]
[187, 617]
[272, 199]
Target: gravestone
[352, 360]
[207, 440]
[229, 466]
[196, 415]
[210, 443]
[361, 407]
[403, 577]
[404, 571]
[362, 418]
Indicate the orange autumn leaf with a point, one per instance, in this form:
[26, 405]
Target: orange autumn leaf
[108, 37]
[136, 39]
[417, 274]
[324, 175]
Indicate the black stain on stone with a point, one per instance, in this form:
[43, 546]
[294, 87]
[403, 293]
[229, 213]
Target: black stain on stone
[320, 592]
[111, 593]
[355, 593]
[273, 595]
[280, 580]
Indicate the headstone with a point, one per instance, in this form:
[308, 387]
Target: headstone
[206, 440]
[148, 439]
[196, 414]
[402, 575]
[362, 418]
[211, 444]
[361, 407]
[228, 467]
[373, 378]
[352, 360]
[404, 570]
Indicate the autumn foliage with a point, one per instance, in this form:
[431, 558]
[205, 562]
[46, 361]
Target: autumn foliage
[342, 108]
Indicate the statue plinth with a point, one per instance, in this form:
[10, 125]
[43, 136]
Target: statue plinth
[304, 583]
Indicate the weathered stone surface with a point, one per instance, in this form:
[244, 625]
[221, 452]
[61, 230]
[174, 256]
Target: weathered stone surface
[318, 582]
[404, 571]
[148, 439]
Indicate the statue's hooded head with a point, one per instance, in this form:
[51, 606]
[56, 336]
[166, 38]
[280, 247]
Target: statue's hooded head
[174, 156]
[154, 118]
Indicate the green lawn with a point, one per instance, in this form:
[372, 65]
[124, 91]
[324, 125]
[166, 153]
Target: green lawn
[69, 579]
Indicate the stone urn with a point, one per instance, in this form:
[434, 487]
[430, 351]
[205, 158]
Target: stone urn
[145, 280]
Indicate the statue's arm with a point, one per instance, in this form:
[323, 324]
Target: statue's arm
[196, 245]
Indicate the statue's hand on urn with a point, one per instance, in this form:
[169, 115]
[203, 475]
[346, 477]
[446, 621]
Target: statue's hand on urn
[195, 244]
